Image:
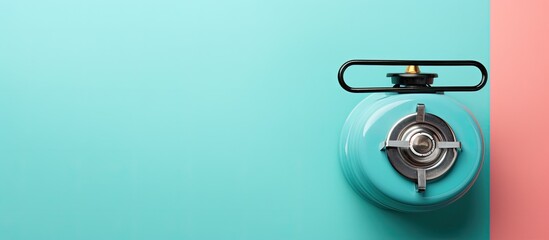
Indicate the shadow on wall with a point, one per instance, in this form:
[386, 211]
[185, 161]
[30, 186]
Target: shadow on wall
[452, 222]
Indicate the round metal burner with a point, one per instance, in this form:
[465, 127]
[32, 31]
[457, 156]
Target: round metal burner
[422, 147]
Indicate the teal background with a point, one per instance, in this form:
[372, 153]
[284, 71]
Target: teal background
[209, 119]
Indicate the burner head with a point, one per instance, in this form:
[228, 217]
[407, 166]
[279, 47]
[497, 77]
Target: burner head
[422, 147]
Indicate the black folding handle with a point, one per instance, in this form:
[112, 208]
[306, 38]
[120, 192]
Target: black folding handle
[476, 64]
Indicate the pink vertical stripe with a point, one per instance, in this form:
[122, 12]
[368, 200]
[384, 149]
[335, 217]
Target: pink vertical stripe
[520, 119]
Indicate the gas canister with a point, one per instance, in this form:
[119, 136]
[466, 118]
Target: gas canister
[409, 147]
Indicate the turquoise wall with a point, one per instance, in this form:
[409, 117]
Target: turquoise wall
[208, 119]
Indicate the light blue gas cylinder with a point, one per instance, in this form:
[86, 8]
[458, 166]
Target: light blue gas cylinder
[410, 147]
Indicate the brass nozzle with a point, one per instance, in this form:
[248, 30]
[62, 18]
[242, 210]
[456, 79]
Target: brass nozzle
[413, 69]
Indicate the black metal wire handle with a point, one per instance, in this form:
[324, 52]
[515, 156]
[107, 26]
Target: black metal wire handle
[477, 87]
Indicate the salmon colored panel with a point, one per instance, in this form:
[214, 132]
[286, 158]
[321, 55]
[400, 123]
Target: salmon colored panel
[520, 119]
